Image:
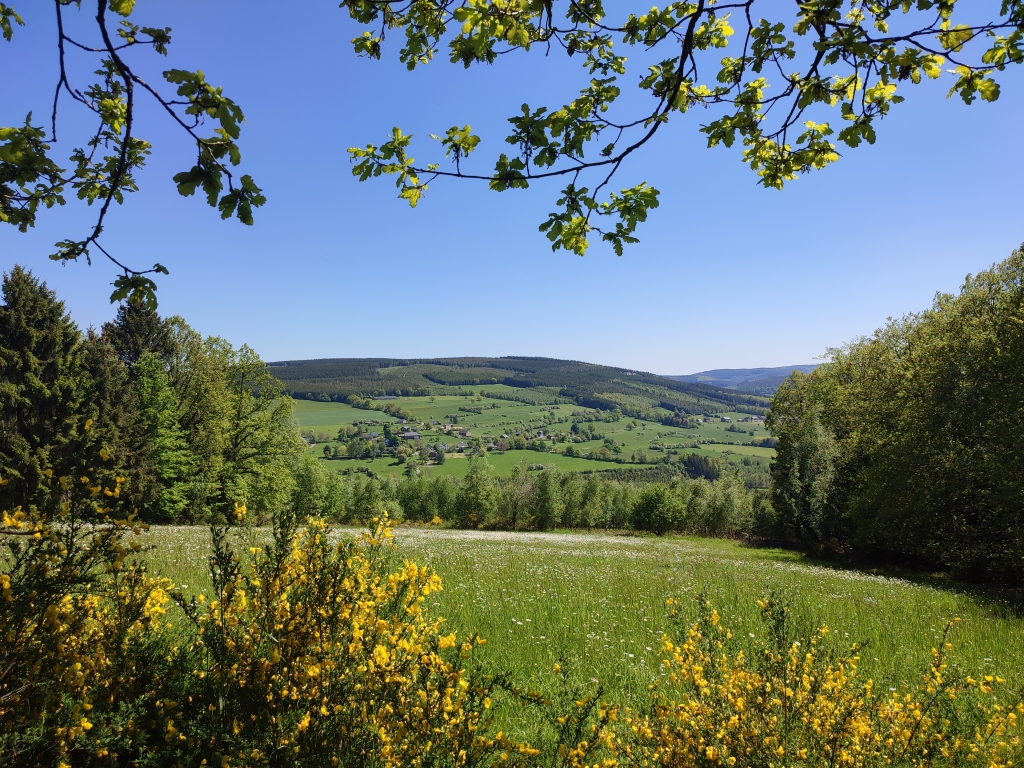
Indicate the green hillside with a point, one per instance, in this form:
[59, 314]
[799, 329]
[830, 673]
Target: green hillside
[758, 381]
[534, 380]
[724, 444]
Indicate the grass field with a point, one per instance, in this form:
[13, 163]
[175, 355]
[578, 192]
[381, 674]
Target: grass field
[596, 603]
[499, 417]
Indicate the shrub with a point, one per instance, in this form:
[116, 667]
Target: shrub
[791, 703]
[308, 652]
[316, 653]
[83, 648]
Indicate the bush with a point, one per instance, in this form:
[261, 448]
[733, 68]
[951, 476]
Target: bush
[314, 652]
[790, 702]
[308, 652]
[84, 648]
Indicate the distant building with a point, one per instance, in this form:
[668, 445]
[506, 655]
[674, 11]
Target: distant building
[410, 435]
[461, 446]
[726, 418]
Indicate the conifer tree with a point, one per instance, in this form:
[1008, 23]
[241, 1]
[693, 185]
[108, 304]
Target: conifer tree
[44, 412]
[118, 425]
[138, 329]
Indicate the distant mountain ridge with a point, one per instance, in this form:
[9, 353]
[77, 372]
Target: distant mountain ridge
[537, 380]
[758, 381]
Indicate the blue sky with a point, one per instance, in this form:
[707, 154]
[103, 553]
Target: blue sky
[726, 275]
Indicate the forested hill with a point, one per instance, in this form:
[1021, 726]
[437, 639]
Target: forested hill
[532, 379]
[758, 381]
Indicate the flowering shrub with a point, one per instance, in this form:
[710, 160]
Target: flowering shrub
[316, 654]
[81, 625]
[309, 651]
[798, 705]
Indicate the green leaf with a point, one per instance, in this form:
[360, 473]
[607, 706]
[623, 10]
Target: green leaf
[988, 89]
[7, 15]
[121, 7]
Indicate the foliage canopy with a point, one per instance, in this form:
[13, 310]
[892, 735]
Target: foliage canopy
[766, 83]
[908, 443]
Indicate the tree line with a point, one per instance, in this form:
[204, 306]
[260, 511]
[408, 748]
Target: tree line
[192, 423]
[908, 444]
[540, 500]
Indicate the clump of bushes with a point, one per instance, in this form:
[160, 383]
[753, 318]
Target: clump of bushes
[308, 651]
[792, 702]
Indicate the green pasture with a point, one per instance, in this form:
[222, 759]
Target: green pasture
[596, 602]
[456, 465]
[499, 417]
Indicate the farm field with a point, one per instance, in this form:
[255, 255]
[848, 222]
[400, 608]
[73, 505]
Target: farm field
[498, 417]
[595, 603]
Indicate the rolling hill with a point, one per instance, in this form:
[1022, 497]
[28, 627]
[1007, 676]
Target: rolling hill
[759, 381]
[536, 380]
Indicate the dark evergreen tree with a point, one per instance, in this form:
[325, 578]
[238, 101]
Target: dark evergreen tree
[118, 423]
[138, 329]
[44, 412]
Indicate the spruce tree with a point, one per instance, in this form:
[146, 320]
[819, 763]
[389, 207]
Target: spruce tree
[138, 329]
[44, 412]
[118, 425]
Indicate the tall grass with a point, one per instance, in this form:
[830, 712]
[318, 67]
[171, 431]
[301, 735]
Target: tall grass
[596, 603]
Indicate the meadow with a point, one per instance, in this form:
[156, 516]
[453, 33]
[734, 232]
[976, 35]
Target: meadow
[498, 416]
[596, 603]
